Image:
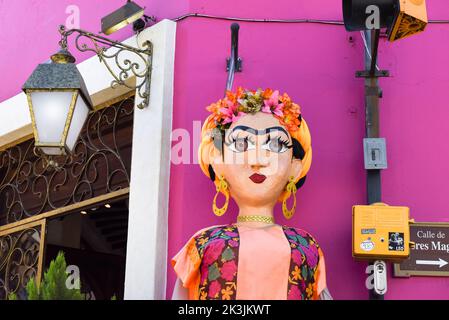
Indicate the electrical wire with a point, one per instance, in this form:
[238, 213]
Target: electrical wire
[316, 21]
[208, 16]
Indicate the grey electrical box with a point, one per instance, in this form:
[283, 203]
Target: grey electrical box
[375, 150]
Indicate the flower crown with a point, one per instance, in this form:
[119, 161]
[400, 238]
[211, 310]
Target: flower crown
[235, 105]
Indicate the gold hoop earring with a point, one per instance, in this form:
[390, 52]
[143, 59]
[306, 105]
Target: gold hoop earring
[222, 187]
[291, 189]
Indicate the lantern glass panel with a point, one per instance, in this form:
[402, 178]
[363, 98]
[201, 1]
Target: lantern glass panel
[51, 109]
[79, 117]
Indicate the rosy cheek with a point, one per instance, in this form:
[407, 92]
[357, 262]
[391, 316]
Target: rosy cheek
[279, 163]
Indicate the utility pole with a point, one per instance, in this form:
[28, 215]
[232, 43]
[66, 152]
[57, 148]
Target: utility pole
[372, 95]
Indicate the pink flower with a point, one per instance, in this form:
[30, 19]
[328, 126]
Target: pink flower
[232, 234]
[233, 243]
[272, 105]
[214, 289]
[229, 113]
[294, 293]
[213, 251]
[297, 257]
[311, 255]
[238, 116]
[228, 270]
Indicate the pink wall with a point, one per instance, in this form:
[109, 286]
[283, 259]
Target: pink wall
[315, 64]
[29, 32]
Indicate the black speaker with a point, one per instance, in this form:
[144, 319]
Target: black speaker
[355, 15]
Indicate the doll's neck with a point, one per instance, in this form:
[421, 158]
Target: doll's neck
[255, 217]
[266, 211]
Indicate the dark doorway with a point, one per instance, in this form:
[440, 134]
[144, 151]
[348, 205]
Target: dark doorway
[94, 240]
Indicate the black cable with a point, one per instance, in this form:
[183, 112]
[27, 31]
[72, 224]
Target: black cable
[208, 16]
[316, 21]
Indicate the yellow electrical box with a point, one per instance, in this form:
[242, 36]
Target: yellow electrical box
[380, 232]
[411, 19]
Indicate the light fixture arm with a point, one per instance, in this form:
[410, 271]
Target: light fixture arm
[126, 66]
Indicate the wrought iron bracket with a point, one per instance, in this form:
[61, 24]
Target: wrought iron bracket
[238, 64]
[234, 63]
[371, 56]
[141, 70]
[367, 74]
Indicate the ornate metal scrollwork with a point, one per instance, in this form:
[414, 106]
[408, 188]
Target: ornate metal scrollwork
[19, 260]
[100, 164]
[141, 70]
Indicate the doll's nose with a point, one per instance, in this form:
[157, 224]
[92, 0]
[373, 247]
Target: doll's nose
[258, 160]
[257, 167]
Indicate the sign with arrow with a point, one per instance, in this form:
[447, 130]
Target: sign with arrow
[430, 255]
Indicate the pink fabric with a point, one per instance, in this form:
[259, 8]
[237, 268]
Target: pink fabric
[263, 266]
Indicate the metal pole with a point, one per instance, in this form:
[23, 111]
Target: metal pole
[372, 90]
[234, 62]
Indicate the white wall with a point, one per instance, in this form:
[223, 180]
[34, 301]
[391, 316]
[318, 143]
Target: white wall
[146, 259]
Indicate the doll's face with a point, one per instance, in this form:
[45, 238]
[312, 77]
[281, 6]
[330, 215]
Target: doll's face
[257, 160]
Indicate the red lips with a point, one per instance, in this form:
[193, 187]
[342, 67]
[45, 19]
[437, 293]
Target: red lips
[257, 178]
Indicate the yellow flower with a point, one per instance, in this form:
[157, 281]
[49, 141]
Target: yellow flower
[296, 273]
[203, 295]
[227, 293]
[202, 241]
[309, 291]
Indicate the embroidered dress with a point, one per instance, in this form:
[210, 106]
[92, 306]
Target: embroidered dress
[230, 262]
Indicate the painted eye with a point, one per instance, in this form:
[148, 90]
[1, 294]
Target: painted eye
[275, 145]
[241, 145]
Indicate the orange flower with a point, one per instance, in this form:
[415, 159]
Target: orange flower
[226, 293]
[234, 105]
[285, 99]
[267, 94]
[240, 92]
[296, 273]
[233, 97]
[203, 241]
[309, 291]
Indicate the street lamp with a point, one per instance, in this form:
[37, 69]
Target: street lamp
[59, 104]
[120, 18]
[57, 96]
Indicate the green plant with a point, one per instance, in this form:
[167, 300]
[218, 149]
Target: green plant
[12, 296]
[53, 286]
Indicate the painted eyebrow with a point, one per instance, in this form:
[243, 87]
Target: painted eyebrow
[260, 132]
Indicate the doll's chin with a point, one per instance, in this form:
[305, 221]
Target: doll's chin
[257, 197]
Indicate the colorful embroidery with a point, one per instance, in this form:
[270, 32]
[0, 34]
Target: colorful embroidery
[303, 264]
[218, 250]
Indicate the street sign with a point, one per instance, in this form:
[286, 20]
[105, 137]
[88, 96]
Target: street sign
[430, 256]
